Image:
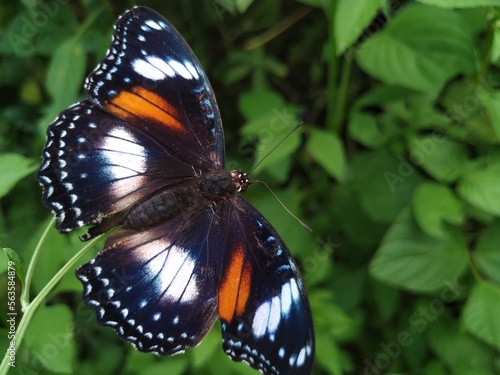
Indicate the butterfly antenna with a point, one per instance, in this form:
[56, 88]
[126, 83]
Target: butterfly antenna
[283, 205]
[277, 145]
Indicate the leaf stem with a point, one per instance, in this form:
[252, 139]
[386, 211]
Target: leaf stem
[30, 308]
[25, 294]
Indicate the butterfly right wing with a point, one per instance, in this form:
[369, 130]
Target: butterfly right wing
[96, 165]
[156, 287]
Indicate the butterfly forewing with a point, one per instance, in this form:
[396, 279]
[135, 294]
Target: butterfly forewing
[152, 79]
[95, 164]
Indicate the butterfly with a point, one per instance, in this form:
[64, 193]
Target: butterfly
[145, 153]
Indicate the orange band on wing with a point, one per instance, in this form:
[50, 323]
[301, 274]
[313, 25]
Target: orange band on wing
[235, 289]
[141, 102]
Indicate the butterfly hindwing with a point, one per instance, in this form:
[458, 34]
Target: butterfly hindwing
[152, 79]
[95, 164]
[156, 287]
[265, 314]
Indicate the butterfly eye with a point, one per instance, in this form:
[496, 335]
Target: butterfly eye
[240, 180]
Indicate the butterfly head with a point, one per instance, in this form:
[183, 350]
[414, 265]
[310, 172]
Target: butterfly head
[240, 180]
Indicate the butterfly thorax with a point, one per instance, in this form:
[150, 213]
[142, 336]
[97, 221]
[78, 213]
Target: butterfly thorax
[197, 192]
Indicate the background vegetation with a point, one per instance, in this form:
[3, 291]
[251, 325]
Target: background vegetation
[397, 170]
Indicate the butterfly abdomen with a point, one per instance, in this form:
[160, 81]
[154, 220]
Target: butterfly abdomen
[170, 203]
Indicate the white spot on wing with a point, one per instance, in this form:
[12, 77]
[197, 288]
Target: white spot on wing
[175, 270]
[260, 320]
[153, 24]
[124, 157]
[180, 69]
[286, 298]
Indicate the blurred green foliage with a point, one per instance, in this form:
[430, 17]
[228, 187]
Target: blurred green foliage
[397, 170]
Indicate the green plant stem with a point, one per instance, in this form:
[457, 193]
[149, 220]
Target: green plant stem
[30, 308]
[338, 114]
[25, 294]
[332, 70]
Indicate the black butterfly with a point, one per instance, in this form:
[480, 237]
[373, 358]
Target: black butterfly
[146, 152]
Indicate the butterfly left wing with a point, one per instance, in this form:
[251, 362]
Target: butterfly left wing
[151, 78]
[156, 287]
[265, 314]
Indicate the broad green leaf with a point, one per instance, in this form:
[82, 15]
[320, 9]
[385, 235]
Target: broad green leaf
[351, 20]
[421, 48]
[65, 73]
[481, 315]
[450, 4]
[232, 6]
[384, 183]
[465, 103]
[442, 158]
[450, 342]
[415, 261]
[269, 122]
[255, 104]
[13, 167]
[487, 251]
[328, 355]
[363, 128]
[482, 189]
[434, 204]
[327, 149]
[50, 338]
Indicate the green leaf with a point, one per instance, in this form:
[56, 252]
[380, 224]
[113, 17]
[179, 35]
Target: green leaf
[481, 315]
[482, 189]
[452, 344]
[50, 338]
[255, 104]
[434, 204]
[13, 257]
[363, 128]
[328, 355]
[65, 73]
[351, 19]
[327, 149]
[384, 183]
[421, 48]
[487, 251]
[415, 261]
[442, 158]
[450, 4]
[13, 167]
[269, 121]
[234, 5]
[491, 103]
